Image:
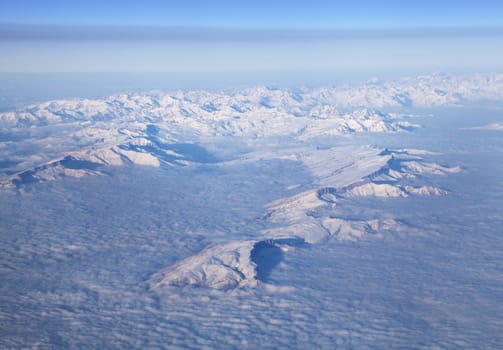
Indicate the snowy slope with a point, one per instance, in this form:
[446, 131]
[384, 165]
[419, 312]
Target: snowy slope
[221, 266]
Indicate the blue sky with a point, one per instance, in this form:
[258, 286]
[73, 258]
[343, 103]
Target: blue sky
[257, 13]
[246, 37]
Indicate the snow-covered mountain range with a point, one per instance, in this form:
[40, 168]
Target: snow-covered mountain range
[77, 137]
[83, 137]
[310, 217]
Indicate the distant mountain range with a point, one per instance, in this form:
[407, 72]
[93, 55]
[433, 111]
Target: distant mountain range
[79, 137]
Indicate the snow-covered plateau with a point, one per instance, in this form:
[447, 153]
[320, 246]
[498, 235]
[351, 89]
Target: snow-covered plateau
[193, 219]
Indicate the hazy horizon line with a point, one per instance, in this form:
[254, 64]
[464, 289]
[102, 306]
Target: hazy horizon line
[65, 32]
